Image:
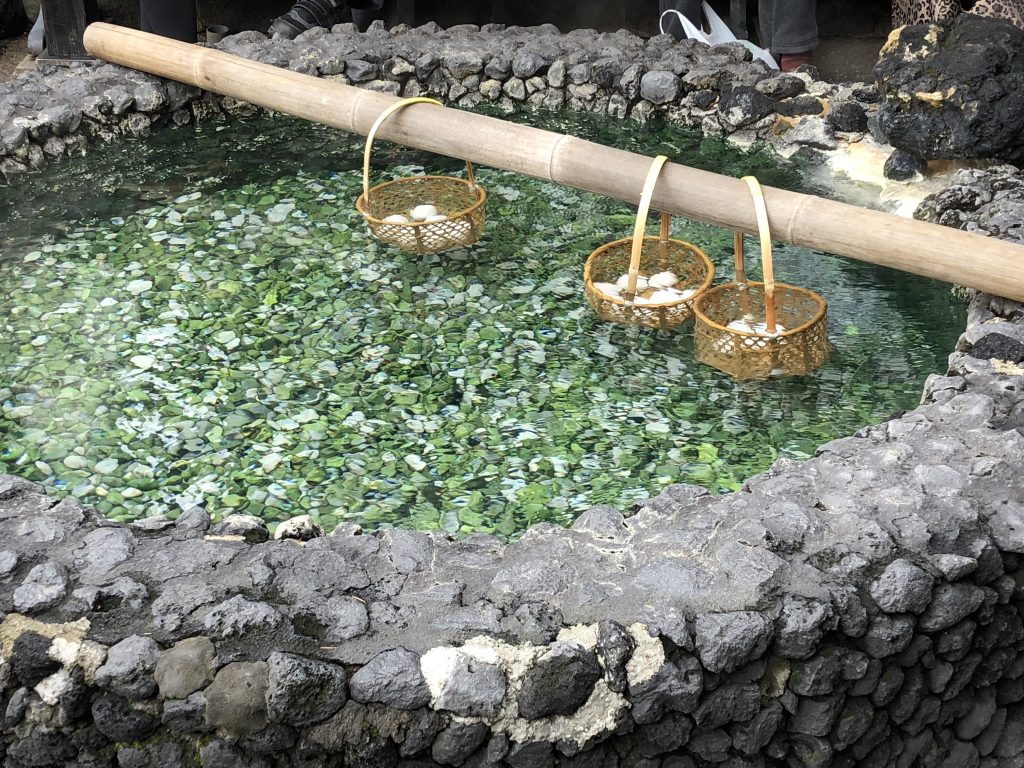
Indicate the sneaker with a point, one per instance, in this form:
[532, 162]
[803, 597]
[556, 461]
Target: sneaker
[788, 62]
[305, 15]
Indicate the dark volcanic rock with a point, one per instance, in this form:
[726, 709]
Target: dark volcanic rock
[996, 346]
[903, 166]
[954, 90]
[560, 682]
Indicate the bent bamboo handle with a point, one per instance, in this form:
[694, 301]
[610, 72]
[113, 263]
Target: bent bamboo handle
[946, 254]
[373, 132]
[640, 228]
[767, 265]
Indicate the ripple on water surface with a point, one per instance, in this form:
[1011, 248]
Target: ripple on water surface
[202, 319]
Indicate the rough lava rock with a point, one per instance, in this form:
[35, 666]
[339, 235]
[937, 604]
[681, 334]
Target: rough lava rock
[954, 89]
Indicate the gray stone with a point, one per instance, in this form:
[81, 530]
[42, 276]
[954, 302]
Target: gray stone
[528, 63]
[889, 684]
[302, 691]
[30, 661]
[301, 528]
[818, 675]
[162, 755]
[815, 715]
[950, 604]
[1007, 526]
[800, 627]
[888, 635]
[712, 746]
[660, 87]
[471, 687]
[1011, 745]
[902, 588]
[236, 701]
[725, 641]
[128, 670]
[727, 703]
[8, 562]
[753, 736]
[251, 528]
[186, 717]
[852, 723]
[463, 63]
[457, 742]
[238, 616]
[560, 681]
[119, 722]
[954, 567]
[514, 88]
[615, 647]
[185, 668]
[673, 688]
[392, 678]
[44, 587]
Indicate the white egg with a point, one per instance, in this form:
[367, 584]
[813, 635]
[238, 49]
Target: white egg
[687, 294]
[421, 212]
[640, 300]
[662, 280]
[740, 325]
[641, 282]
[396, 218]
[608, 289]
[664, 297]
[762, 328]
[436, 217]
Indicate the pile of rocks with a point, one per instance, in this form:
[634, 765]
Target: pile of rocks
[49, 113]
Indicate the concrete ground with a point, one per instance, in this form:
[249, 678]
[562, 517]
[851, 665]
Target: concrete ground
[12, 53]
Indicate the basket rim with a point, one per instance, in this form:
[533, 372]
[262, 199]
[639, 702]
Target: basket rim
[702, 317]
[709, 273]
[363, 208]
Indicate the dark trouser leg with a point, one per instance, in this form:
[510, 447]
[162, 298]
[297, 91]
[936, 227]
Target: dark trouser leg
[393, 12]
[788, 26]
[169, 18]
[691, 9]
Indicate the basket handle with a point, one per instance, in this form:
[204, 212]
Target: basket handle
[373, 132]
[641, 225]
[767, 266]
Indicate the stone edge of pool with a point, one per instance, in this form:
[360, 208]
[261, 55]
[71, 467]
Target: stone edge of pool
[860, 607]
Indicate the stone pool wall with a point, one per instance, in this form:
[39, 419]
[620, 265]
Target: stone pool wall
[860, 608]
[49, 113]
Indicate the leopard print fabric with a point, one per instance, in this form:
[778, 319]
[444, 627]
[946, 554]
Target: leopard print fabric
[1011, 10]
[906, 12]
[927, 11]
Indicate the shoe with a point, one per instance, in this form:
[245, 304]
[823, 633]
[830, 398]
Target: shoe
[788, 62]
[305, 15]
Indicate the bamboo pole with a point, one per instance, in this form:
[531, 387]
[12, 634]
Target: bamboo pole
[987, 264]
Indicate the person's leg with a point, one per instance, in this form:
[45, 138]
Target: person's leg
[307, 14]
[691, 9]
[169, 18]
[793, 25]
[364, 17]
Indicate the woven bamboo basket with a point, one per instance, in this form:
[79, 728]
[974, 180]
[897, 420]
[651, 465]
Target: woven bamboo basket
[640, 257]
[754, 330]
[459, 201]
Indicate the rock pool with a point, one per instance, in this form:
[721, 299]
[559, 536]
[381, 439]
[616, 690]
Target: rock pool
[203, 319]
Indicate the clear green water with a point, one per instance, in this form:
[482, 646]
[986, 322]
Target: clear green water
[202, 318]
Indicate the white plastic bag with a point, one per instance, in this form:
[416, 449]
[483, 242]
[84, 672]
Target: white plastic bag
[717, 34]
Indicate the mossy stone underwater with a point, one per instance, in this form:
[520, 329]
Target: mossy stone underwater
[204, 319]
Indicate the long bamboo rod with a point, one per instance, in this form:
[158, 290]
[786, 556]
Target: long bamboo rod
[925, 249]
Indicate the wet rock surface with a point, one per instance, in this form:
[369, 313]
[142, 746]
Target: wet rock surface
[400, 648]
